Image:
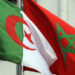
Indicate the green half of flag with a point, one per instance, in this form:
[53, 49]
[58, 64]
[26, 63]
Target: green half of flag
[9, 50]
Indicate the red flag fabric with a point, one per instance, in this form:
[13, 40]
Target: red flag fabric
[58, 33]
[70, 63]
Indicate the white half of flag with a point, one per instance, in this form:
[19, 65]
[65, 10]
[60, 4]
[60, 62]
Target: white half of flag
[44, 55]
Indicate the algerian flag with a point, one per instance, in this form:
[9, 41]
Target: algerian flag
[17, 39]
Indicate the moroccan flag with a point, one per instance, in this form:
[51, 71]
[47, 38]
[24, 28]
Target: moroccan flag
[17, 42]
[59, 34]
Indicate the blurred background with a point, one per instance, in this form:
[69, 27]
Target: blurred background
[64, 9]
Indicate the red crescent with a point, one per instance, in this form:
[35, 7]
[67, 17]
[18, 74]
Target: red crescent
[10, 28]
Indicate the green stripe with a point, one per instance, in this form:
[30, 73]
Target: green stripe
[9, 50]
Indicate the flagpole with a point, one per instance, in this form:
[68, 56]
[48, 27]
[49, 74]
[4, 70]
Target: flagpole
[19, 68]
[19, 3]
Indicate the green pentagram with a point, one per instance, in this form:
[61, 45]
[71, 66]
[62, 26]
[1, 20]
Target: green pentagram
[66, 42]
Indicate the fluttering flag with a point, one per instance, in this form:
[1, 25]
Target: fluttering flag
[59, 34]
[17, 42]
